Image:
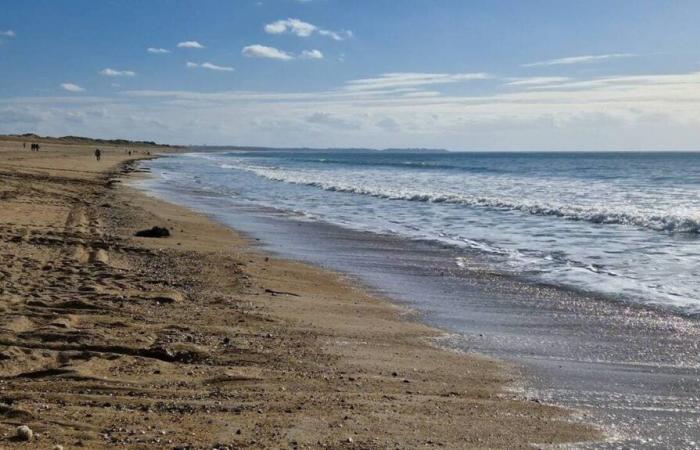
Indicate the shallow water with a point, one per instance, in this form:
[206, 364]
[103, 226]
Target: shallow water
[630, 367]
[626, 225]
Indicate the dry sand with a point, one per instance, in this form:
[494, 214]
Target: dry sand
[199, 339]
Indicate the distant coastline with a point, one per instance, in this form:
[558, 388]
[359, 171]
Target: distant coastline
[81, 140]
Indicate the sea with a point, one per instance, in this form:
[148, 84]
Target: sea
[581, 268]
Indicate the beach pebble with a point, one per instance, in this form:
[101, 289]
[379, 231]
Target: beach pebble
[25, 433]
[153, 232]
[57, 447]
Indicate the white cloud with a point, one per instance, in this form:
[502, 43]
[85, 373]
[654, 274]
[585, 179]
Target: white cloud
[117, 73]
[156, 50]
[311, 54]
[294, 26]
[643, 112]
[537, 81]
[580, 59]
[552, 116]
[70, 87]
[412, 80]
[8, 33]
[336, 35]
[210, 66]
[18, 115]
[303, 29]
[388, 124]
[261, 51]
[649, 86]
[190, 44]
[329, 120]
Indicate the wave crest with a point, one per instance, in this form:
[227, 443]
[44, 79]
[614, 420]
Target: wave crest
[671, 223]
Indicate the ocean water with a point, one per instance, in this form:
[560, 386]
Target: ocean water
[624, 225]
[513, 255]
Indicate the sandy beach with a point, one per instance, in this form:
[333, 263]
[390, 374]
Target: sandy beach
[200, 340]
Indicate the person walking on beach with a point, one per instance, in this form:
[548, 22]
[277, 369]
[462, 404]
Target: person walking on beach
[98, 153]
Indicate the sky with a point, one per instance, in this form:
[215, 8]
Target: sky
[454, 74]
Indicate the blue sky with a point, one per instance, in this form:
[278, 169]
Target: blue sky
[472, 75]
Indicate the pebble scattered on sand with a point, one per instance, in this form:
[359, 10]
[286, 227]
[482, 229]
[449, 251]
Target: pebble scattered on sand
[25, 433]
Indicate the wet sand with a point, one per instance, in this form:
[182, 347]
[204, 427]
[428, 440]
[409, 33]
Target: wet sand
[200, 340]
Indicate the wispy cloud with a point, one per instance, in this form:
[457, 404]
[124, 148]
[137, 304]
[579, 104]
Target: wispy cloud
[311, 54]
[303, 29]
[157, 50]
[8, 33]
[336, 35]
[537, 81]
[18, 115]
[329, 120]
[412, 80]
[117, 73]
[585, 59]
[262, 51]
[70, 87]
[189, 44]
[210, 66]
[653, 111]
[626, 83]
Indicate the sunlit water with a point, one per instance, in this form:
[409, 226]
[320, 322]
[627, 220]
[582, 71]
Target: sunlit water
[621, 224]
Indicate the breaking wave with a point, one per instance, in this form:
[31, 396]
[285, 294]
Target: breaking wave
[670, 223]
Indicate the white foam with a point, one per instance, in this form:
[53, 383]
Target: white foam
[677, 220]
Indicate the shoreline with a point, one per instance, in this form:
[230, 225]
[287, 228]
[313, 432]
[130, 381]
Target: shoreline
[200, 339]
[616, 300]
[631, 369]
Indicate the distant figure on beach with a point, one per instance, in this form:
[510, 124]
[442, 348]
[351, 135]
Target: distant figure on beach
[35, 147]
[129, 152]
[98, 153]
[24, 145]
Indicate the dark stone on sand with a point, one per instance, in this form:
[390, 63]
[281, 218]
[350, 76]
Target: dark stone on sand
[24, 433]
[155, 232]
